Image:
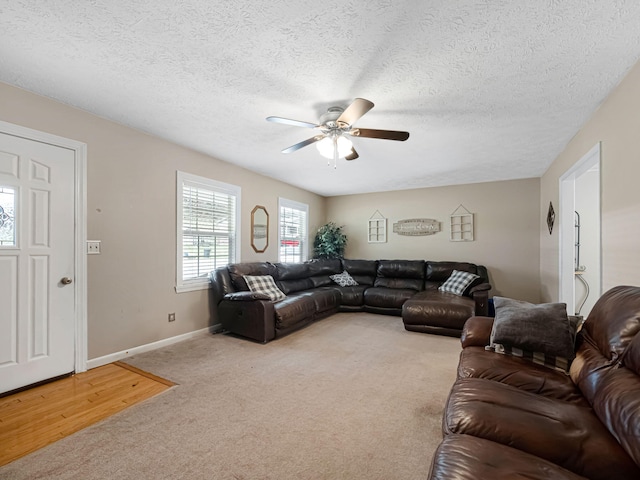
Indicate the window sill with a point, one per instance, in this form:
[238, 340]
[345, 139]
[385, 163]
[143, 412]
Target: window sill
[192, 287]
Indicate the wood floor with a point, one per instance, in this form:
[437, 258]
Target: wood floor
[34, 418]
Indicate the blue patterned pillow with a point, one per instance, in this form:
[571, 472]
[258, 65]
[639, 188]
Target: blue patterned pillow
[458, 282]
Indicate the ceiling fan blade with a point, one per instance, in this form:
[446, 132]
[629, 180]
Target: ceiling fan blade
[384, 134]
[353, 155]
[357, 109]
[304, 143]
[295, 123]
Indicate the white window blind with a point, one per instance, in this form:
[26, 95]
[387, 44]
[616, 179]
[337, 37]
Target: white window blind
[293, 227]
[208, 229]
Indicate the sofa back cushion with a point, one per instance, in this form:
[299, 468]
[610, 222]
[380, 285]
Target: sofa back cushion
[614, 320]
[400, 274]
[293, 277]
[362, 271]
[320, 271]
[238, 270]
[439, 272]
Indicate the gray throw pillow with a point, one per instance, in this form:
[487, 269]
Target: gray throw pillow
[538, 330]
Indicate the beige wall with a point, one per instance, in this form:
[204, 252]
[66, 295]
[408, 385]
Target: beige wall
[507, 221]
[132, 208]
[617, 125]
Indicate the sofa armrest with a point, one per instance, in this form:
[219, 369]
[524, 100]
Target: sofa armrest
[245, 296]
[476, 332]
[245, 315]
[480, 295]
[482, 287]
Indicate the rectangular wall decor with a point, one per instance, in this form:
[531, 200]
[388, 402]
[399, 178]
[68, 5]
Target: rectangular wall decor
[416, 227]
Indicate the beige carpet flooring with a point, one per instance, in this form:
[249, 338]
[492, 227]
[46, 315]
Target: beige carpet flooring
[353, 396]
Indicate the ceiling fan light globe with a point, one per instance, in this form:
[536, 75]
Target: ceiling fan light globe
[325, 147]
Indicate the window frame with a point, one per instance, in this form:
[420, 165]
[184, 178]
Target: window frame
[201, 283]
[286, 203]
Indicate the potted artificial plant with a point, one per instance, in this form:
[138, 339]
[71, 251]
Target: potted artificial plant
[330, 241]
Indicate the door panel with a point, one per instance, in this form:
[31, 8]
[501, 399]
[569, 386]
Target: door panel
[37, 311]
[9, 306]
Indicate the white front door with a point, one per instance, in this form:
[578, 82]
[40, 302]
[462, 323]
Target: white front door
[37, 262]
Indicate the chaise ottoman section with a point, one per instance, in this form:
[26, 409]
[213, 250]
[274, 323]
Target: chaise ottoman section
[433, 311]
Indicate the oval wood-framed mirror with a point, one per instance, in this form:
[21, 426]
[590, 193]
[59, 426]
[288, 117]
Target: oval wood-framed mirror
[259, 228]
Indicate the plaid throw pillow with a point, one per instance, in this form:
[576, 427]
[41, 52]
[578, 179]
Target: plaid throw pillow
[264, 284]
[343, 279]
[560, 364]
[458, 282]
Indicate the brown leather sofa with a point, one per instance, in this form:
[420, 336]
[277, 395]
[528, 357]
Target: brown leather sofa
[509, 418]
[384, 286]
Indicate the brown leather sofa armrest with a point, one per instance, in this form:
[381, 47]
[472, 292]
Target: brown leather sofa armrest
[476, 332]
[480, 288]
[480, 295]
[245, 296]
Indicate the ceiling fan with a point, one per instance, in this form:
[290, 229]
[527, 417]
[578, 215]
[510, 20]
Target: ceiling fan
[336, 126]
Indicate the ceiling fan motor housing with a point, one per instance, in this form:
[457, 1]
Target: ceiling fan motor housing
[329, 118]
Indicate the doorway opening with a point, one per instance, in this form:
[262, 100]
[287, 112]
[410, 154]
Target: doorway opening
[580, 234]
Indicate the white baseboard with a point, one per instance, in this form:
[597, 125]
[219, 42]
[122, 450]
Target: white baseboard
[114, 357]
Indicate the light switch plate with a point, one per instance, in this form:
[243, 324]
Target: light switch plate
[93, 247]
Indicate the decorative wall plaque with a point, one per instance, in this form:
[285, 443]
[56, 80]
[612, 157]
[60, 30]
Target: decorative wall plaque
[416, 226]
[551, 217]
[377, 228]
[461, 224]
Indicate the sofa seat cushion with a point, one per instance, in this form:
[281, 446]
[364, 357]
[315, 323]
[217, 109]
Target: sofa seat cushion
[464, 457]
[352, 296]
[438, 309]
[325, 298]
[563, 433]
[294, 309]
[476, 362]
[383, 297]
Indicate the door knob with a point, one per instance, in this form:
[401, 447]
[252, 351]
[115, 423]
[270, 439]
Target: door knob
[66, 280]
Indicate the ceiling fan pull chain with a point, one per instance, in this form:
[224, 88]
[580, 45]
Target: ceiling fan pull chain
[335, 152]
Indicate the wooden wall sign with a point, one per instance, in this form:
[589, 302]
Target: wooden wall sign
[416, 226]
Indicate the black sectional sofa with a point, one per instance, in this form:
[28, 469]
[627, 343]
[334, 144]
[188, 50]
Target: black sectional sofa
[407, 288]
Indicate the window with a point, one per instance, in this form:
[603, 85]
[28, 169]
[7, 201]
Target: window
[208, 229]
[7, 216]
[292, 231]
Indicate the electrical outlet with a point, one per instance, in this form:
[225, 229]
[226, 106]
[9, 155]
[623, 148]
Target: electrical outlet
[172, 317]
[93, 247]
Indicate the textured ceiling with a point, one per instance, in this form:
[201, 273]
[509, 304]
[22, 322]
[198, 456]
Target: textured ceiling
[489, 89]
